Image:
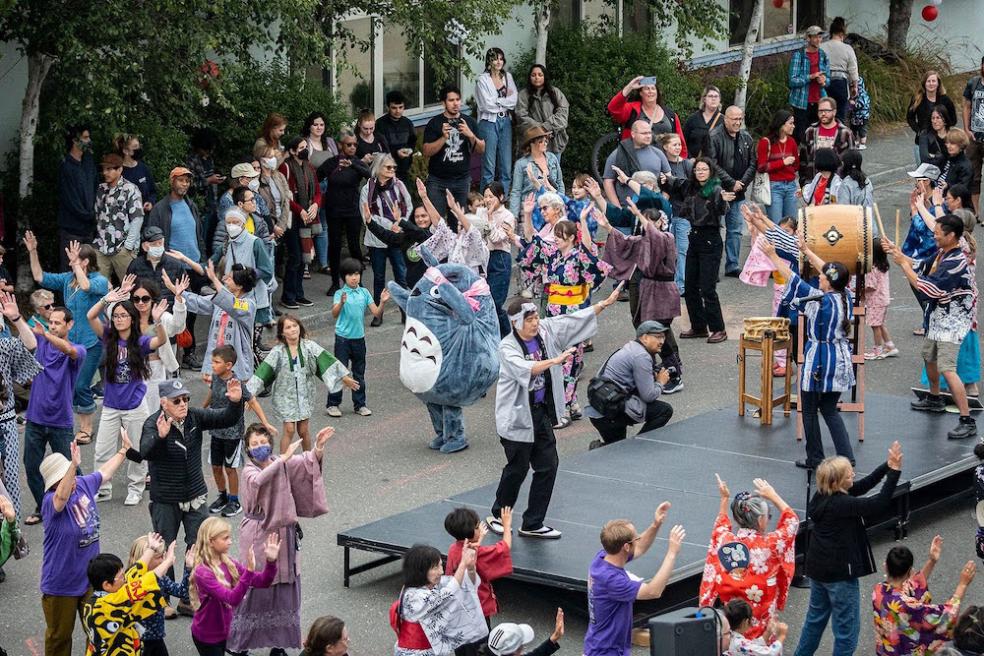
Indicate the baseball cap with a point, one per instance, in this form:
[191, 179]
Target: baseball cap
[814, 30]
[650, 328]
[178, 171]
[925, 170]
[506, 639]
[111, 161]
[243, 170]
[172, 388]
[53, 469]
[152, 233]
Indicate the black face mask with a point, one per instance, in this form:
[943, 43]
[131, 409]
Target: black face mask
[137, 154]
[303, 155]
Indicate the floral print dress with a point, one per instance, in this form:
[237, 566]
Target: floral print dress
[756, 567]
[906, 620]
[568, 280]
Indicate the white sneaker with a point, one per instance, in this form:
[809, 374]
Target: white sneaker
[543, 533]
[862, 146]
[132, 498]
[363, 411]
[890, 353]
[104, 495]
[874, 354]
[333, 411]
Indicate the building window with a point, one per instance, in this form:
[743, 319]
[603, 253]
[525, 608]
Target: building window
[354, 79]
[597, 14]
[636, 17]
[567, 13]
[401, 67]
[779, 18]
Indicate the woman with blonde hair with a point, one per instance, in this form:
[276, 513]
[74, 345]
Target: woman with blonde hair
[219, 583]
[839, 552]
[369, 146]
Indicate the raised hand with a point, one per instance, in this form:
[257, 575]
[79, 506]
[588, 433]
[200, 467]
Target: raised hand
[169, 556]
[765, 490]
[163, 425]
[421, 189]
[158, 310]
[76, 453]
[895, 456]
[505, 516]
[968, 572]
[31, 242]
[469, 556]
[116, 295]
[250, 559]
[210, 272]
[384, 296]
[129, 281]
[291, 450]
[155, 542]
[528, 204]
[323, 436]
[483, 530]
[72, 251]
[677, 534]
[620, 174]
[234, 390]
[722, 487]
[272, 547]
[661, 511]
[558, 631]
[125, 439]
[9, 306]
[936, 548]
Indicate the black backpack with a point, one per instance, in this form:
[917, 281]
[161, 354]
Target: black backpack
[605, 396]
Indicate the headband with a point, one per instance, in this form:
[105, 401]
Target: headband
[516, 320]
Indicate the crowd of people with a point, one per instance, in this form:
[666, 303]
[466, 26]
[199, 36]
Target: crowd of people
[139, 264]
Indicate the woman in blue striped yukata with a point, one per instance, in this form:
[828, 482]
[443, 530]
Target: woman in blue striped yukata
[827, 369]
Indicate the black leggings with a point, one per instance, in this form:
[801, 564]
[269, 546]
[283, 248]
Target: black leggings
[823, 403]
[353, 230]
[210, 650]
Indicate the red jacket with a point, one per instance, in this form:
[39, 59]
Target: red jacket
[770, 156]
[625, 112]
[494, 562]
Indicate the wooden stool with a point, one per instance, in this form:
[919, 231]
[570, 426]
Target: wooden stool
[768, 345]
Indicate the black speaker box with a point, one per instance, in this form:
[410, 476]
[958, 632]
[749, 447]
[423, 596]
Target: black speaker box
[684, 632]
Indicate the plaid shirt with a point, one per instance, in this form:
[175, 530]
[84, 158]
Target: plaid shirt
[799, 77]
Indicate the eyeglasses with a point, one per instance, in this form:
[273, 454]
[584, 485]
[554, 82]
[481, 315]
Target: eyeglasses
[117, 317]
[181, 400]
[49, 306]
[249, 200]
[348, 144]
[140, 299]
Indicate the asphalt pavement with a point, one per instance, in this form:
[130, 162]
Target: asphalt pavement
[380, 465]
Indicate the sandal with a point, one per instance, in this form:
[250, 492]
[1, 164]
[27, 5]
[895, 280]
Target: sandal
[32, 520]
[82, 438]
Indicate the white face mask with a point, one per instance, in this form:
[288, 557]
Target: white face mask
[269, 162]
[234, 230]
[156, 252]
[254, 184]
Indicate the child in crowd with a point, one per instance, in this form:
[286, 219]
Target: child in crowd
[437, 614]
[219, 583]
[466, 246]
[225, 453]
[290, 370]
[861, 114]
[153, 636]
[232, 309]
[42, 302]
[877, 295]
[739, 614]
[350, 305]
[493, 562]
[906, 619]
[123, 600]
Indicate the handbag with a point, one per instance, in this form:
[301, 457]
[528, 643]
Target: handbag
[762, 186]
[605, 396]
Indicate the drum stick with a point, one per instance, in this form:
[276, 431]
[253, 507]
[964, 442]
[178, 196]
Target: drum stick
[897, 214]
[881, 228]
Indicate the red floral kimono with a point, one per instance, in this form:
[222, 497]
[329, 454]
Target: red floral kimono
[749, 565]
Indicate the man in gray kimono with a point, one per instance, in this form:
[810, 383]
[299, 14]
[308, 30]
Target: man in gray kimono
[529, 401]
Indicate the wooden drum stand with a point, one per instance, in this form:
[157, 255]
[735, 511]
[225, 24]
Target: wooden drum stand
[766, 335]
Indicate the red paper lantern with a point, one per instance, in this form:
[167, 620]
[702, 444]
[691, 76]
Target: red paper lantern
[930, 13]
[778, 3]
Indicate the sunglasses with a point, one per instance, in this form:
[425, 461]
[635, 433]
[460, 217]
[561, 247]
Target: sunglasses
[141, 299]
[181, 400]
[49, 306]
[390, 167]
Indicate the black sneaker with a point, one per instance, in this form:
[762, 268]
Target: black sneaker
[543, 533]
[290, 305]
[929, 403]
[966, 429]
[219, 503]
[232, 509]
[305, 302]
[191, 361]
[331, 290]
[595, 444]
[673, 386]
[376, 322]
[803, 464]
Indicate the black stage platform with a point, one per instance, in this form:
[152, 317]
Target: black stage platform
[677, 463]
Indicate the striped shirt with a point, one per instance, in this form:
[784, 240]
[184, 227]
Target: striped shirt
[827, 355]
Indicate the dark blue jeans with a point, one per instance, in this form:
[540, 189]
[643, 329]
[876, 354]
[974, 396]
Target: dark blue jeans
[500, 266]
[838, 601]
[378, 257]
[459, 189]
[83, 402]
[824, 403]
[293, 266]
[36, 438]
[352, 354]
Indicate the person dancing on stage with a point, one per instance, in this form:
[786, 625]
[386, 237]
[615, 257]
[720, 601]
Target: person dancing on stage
[826, 370]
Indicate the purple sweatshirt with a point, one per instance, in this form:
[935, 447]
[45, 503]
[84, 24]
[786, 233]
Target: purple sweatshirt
[214, 617]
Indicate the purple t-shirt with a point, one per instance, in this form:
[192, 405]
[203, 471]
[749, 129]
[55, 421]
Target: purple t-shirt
[539, 383]
[52, 389]
[126, 392]
[611, 592]
[71, 539]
